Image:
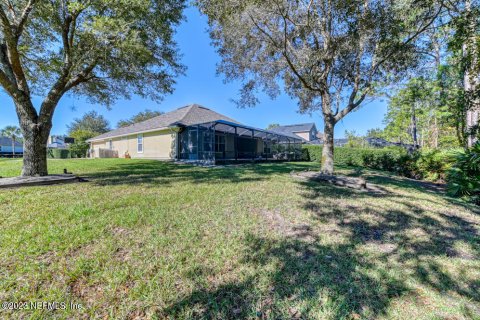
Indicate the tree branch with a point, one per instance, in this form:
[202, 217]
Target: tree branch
[24, 17]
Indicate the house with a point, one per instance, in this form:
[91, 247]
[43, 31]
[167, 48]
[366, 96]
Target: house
[58, 142]
[381, 143]
[306, 131]
[6, 148]
[195, 133]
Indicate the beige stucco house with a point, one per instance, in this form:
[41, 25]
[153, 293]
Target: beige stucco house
[306, 131]
[195, 133]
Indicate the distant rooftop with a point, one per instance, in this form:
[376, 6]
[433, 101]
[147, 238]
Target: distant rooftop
[6, 141]
[187, 116]
[293, 128]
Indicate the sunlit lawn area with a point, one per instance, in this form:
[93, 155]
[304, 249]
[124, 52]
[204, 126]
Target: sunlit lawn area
[150, 239]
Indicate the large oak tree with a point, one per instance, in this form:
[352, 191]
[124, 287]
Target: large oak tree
[102, 49]
[331, 55]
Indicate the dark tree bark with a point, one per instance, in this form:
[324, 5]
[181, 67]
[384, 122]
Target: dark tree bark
[35, 149]
[414, 126]
[35, 131]
[328, 145]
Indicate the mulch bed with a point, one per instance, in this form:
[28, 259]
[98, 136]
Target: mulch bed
[17, 182]
[339, 180]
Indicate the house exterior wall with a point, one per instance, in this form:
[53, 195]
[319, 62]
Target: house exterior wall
[156, 145]
[308, 135]
[305, 135]
[8, 149]
[259, 147]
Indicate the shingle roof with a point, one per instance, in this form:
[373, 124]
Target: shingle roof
[291, 129]
[187, 116]
[6, 141]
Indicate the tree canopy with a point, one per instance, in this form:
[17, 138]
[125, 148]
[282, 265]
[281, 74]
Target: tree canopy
[329, 55]
[89, 122]
[139, 117]
[101, 49]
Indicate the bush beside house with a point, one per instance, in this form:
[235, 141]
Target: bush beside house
[425, 164]
[55, 153]
[464, 177]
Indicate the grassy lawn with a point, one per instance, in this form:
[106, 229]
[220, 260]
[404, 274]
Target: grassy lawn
[154, 240]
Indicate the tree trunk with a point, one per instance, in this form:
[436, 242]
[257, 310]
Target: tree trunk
[35, 133]
[35, 150]
[327, 151]
[414, 126]
[13, 147]
[469, 49]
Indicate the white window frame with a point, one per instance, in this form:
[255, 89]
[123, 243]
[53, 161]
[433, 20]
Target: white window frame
[140, 136]
[110, 144]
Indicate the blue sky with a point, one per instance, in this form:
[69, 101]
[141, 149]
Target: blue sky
[201, 85]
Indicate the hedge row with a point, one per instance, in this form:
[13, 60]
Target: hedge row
[67, 153]
[425, 164]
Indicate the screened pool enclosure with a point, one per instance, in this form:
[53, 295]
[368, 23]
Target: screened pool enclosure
[223, 142]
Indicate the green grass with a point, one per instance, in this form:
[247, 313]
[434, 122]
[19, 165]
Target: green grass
[155, 240]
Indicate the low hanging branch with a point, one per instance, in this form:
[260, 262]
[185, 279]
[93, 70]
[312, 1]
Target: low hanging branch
[48, 48]
[326, 53]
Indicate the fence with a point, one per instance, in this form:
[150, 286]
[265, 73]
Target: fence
[107, 153]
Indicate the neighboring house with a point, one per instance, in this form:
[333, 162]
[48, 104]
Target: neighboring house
[59, 142]
[195, 133]
[379, 142]
[306, 131]
[6, 146]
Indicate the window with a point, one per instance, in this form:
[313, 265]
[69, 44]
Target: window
[207, 141]
[110, 144]
[219, 143]
[266, 147]
[140, 143]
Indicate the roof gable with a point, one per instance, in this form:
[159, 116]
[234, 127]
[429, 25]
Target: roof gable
[186, 116]
[6, 141]
[294, 128]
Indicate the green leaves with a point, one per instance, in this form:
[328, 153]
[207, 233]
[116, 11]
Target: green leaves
[139, 117]
[91, 122]
[110, 49]
[12, 132]
[464, 177]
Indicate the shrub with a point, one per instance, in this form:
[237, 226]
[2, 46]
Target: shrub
[433, 164]
[59, 153]
[312, 153]
[464, 176]
[425, 164]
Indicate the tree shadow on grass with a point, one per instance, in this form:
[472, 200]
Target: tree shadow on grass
[383, 246]
[405, 230]
[308, 278]
[162, 172]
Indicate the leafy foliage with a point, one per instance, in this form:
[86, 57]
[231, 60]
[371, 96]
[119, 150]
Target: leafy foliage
[12, 132]
[464, 176]
[272, 125]
[374, 133]
[329, 56]
[91, 122]
[139, 117]
[101, 49]
[425, 164]
[80, 148]
[110, 49]
[354, 140]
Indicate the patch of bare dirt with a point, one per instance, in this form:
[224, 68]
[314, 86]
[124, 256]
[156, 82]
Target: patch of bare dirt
[357, 183]
[137, 315]
[46, 258]
[122, 255]
[118, 231]
[89, 293]
[278, 223]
